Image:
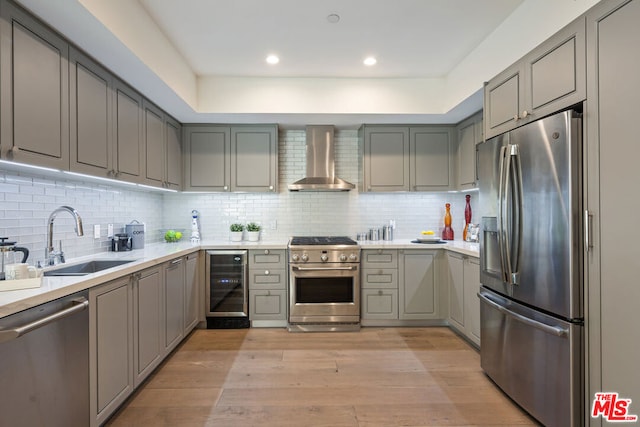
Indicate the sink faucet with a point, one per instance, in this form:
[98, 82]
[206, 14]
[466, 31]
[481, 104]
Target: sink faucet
[50, 253]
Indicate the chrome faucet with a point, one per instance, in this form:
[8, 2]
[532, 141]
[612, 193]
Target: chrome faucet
[50, 253]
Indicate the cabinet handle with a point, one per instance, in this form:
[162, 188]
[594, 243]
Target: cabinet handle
[588, 217]
[266, 272]
[526, 114]
[380, 292]
[369, 188]
[271, 187]
[268, 293]
[13, 151]
[225, 188]
[176, 261]
[379, 251]
[516, 118]
[266, 251]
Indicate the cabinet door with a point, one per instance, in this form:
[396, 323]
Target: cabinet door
[91, 109]
[555, 72]
[254, 158]
[267, 258]
[268, 304]
[174, 154]
[207, 157]
[467, 156]
[431, 155]
[34, 81]
[379, 304]
[471, 300]
[386, 159]
[191, 293]
[174, 303]
[612, 143]
[129, 147]
[456, 291]
[148, 336]
[267, 278]
[154, 145]
[503, 100]
[418, 292]
[111, 347]
[380, 278]
[379, 258]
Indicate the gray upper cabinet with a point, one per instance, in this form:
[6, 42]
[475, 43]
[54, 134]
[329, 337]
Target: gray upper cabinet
[34, 84]
[154, 144]
[469, 134]
[254, 158]
[384, 153]
[128, 144]
[549, 78]
[431, 157]
[207, 158]
[173, 151]
[91, 110]
[225, 158]
[403, 158]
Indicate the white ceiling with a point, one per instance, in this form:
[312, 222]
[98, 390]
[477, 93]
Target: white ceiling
[410, 38]
[203, 60]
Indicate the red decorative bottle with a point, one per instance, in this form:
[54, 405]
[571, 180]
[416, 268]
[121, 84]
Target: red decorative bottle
[447, 232]
[467, 217]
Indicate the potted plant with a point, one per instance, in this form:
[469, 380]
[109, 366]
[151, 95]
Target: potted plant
[236, 232]
[253, 232]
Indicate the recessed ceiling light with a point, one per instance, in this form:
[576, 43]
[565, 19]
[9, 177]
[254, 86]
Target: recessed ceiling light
[369, 61]
[272, 59]
[333, 18]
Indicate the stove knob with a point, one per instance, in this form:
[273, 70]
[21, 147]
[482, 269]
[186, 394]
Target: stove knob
[324, 258]
[353, 257]
[343, 257]
[295, 257]
[305, 257]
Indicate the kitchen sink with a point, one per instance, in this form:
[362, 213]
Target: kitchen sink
[88, 267]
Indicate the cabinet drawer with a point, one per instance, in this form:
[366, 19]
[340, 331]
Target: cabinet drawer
[379, 258]
[377, 278]
[268, 305]
[260, 278]
[379, 303]
[267, 258]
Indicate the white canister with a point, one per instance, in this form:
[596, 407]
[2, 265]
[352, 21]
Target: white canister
[16, 271]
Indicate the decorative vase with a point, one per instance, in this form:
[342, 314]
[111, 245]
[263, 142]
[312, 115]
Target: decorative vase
[467, 217]
[253, 236]
[236, 236]
[447, 232]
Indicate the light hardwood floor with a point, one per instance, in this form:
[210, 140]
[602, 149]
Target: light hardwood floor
[270, 377]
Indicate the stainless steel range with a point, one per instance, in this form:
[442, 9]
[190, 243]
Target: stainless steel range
[324, 284]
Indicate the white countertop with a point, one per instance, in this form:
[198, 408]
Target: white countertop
[153, 254]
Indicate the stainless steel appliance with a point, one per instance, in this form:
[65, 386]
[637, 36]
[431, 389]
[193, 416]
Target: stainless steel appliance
[324, 284]
[121, 242]
[45, 364]
[227, 290]
[531, 262]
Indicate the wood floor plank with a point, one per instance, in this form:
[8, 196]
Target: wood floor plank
[372, 378]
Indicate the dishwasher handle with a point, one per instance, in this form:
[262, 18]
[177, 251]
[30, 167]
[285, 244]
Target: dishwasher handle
[77, 305]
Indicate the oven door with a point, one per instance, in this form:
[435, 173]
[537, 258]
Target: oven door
[322, 293]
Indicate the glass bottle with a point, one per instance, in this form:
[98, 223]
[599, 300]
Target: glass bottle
[467, 217]
[447, 233]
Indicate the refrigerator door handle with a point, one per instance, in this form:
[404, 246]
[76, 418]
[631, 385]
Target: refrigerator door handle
[510, 232]
[501, 206]
[553, 330]
[517, 207]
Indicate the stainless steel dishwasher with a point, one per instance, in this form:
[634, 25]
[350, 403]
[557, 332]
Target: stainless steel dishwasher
[44, 364]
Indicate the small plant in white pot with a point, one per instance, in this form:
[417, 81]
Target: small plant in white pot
[253, 232]
[236, 232]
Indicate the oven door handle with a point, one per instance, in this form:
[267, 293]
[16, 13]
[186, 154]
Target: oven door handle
[296, 268]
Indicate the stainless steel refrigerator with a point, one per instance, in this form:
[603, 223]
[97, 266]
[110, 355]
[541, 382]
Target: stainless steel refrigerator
[530, 204]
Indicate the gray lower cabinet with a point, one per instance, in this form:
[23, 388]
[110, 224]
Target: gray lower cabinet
[418, 277]
[406, 158]
[230, 158]
[611, 278]
[191, 292]
[464, 305]
[400, 286]
[34, 83]
[111, 344]
[549, 78]
[174, 285]
[148, 321]
[268, 287]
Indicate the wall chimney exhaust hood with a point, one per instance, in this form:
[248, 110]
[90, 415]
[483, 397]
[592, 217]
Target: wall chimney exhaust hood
[320, 163]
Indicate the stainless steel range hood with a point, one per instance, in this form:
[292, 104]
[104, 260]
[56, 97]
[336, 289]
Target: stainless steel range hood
[320, 163]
